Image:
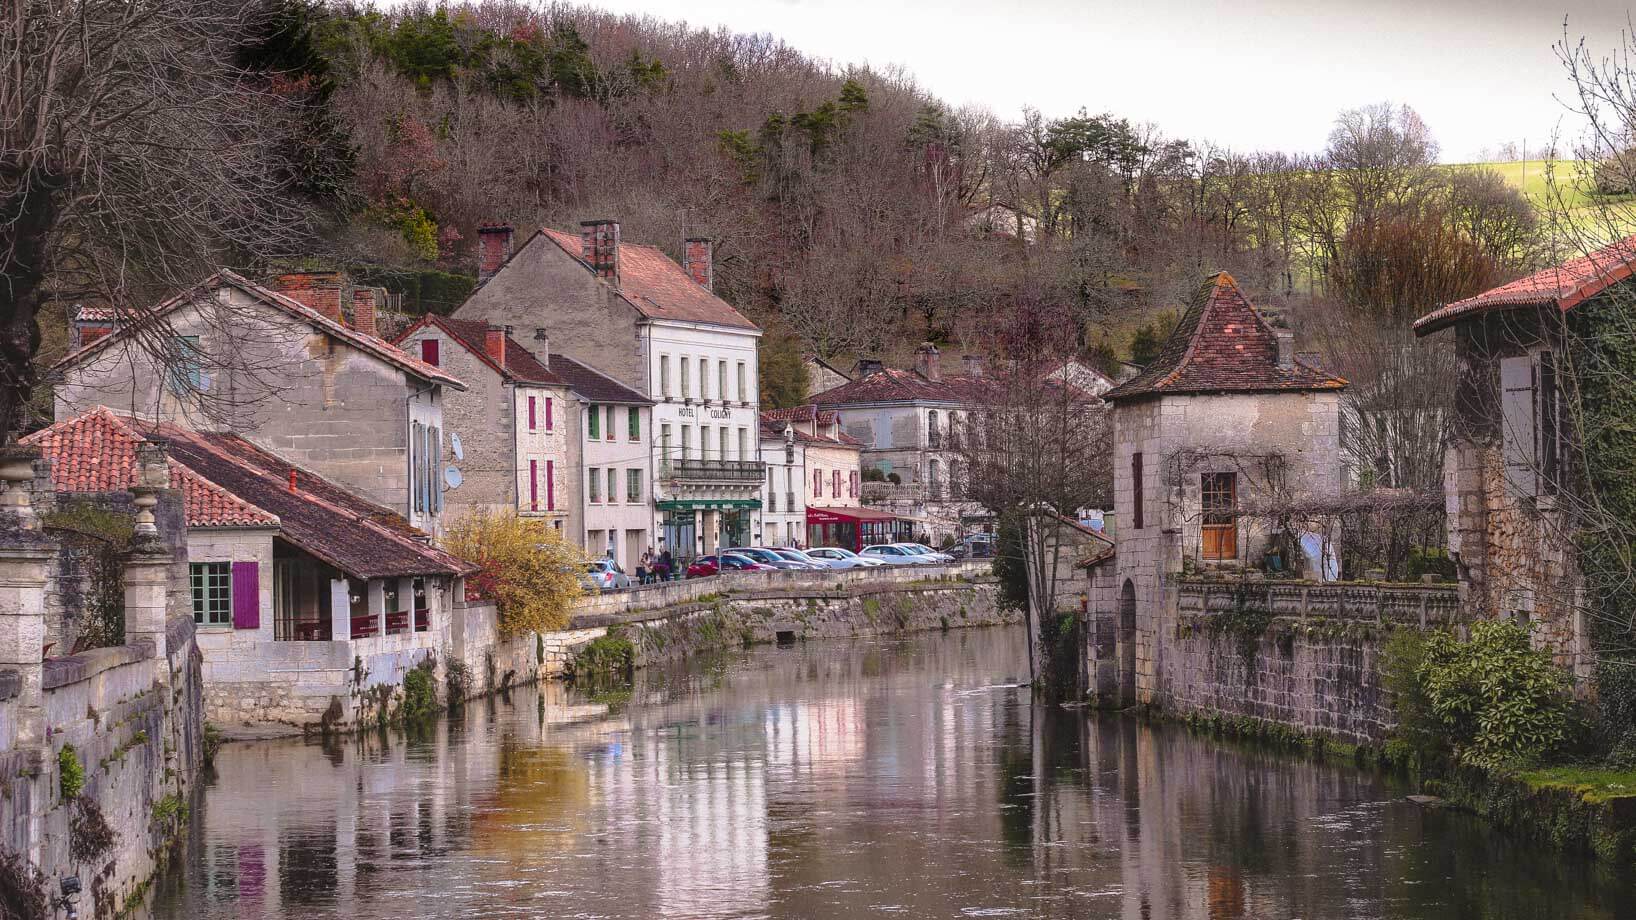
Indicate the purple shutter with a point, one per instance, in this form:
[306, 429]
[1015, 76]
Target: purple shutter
[246, 595]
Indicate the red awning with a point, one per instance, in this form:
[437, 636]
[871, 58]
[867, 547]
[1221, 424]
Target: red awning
[847, 515]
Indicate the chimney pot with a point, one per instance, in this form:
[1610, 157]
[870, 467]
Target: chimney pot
[926, 362]
[599, 246]
[1286, 349]
[317, 291]
[494, 343]
[292, 479]
[363, 311]
[867, 366]
[699, 259]
[545, 345]
[493, 248]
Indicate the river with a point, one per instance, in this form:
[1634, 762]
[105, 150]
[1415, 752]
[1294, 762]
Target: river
[896, 778]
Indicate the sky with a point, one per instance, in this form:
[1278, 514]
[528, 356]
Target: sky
[1245, 74]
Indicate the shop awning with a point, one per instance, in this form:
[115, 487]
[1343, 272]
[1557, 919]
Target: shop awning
[846, 515]
[706, 504]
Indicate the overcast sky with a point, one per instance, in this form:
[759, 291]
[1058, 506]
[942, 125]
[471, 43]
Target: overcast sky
[1249, 74]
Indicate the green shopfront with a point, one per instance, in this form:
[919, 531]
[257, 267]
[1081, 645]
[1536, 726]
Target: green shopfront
[693, 527]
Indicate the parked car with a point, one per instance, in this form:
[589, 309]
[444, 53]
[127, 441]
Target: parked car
[837, 558]
[892, 554]
[605, 575]
[975, 546]
[767, 557]
[705, 566]
[795, 555]
[921, 549]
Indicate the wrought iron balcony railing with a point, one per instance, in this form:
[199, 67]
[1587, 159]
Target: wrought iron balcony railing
[740, 471]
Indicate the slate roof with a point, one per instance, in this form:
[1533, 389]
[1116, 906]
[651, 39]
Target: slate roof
[594, 385]
[656, 286]
[521, 365]
[1562, 286]
[228, 482]
[96, 452]
[1222, 345]
[368, 344]
[892, 384]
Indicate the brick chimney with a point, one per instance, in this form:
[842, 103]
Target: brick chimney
[699, 259]
[867, 366]
[543, 350]
[494, 344]
[926, 363]
[363, 311]
[599, 246]
[1286, 349]
[493, 249]
[974, 365]
[319, 291]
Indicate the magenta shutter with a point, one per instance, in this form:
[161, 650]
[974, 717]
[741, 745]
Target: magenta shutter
[246, 595]
[530, 413]
[428, 351]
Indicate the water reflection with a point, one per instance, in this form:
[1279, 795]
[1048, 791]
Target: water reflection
[834, 780]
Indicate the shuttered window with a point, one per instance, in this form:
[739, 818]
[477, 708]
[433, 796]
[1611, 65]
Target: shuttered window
[1218, 494]
[1136, 487]
[428, 351]
[593, 417]
[1517, 424]
[212, 584]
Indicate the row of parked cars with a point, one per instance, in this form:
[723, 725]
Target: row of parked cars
[768, 558]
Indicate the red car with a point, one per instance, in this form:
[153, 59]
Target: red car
[705, 566]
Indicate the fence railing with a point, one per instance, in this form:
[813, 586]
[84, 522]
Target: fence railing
[1402, 604]
[714, 470]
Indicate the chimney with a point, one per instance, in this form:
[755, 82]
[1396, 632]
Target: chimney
[974, 365]
[599, 246]
[493, 249]
[363, 311]
[867, 366]
[318, 291]
[494, 344]
[544, 348]
[1286, 349]
[926, 363]
[698, 258]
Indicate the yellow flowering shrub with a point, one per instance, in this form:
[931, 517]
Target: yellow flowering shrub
[529, 571]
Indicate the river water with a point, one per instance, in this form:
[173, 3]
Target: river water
[908, 778]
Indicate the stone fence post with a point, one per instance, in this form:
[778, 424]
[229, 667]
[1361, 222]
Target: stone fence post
[25, 553]
[147, 565]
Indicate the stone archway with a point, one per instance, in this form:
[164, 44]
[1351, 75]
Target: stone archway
[1127, 644]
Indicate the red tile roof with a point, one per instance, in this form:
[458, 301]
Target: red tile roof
[1222, 345]
[521, 365]
[895, 385]
[774, 420]
[228, 482]
[96, 452]
[1562, 286]
[594, 385]
[368, 344]
[656, 286]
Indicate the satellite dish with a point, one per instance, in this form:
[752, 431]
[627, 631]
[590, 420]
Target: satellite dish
[453, 476]
[454, 445]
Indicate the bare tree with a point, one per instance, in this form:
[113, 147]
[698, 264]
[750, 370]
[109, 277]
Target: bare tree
[135, 155]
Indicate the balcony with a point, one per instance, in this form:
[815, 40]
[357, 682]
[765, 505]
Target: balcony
[752, 472]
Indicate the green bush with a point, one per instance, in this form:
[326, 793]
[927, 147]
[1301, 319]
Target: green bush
[1419, 739]
[1429, 562]
[419, 694]
[70, 773]
[1499, 701]
[607, 657]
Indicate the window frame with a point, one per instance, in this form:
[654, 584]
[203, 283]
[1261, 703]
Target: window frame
[209, 583]
[1218, 516]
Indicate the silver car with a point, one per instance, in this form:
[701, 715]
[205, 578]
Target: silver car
[922, 549]
[892, 554]
[838, 558]
[605, 575]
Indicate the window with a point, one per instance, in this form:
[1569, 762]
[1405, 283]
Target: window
[817, 483]
[664, 440]
[664, 376]
[633, 423]
[704, 442]
[722, 440]
[428, 351]
[721, 380]
[1531, 419]
[633, 486]
[550, 415]
[954, 474]
[743, 390]
[934, 479]
[593, 422]
[212, 593]
[613, 485]
[531, 409]
[934, 436]
[704, 378]
[1136, 491]
[852, 484]
[434, 470]
[550, 485]
[744, 444]
[1218, 495]
[187, 374]
[608, 426]
[594, 477]
[686, 434]
[417, 441]
[533, 485]
[834, 483]
[687, 389]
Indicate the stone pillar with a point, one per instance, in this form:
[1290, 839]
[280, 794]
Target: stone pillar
[340, 610]
[709, 529]
[377, 604]
[147, 592]
[24, 555]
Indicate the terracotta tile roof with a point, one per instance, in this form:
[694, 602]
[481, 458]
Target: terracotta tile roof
[96, 452]
[774, 420]
[804, 413]
[892, 384]
[1222, 345]
[521, 365]
[1562, 286]
[369, 344]
[594, 385]
[775, 431]
[361, 539]
[656, 286]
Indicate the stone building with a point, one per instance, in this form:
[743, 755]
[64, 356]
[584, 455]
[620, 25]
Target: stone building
[909, 423]
[820, 470]
[287, 371]
[303, 596]
[615, 463]
[657, 327]
[1508, 460]
[1224, 419]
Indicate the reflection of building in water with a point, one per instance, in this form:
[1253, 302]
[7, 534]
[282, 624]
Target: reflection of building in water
[826, 734]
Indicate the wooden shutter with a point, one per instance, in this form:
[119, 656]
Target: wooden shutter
[533, 485]
[246, 595]
[532, 402]
[1517, 424]
[428, 351]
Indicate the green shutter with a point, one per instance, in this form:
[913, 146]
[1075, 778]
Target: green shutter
[635, 423]
[595, 415]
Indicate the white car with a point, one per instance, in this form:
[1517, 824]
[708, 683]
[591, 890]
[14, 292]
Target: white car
[837, 558]
[921, 549]
[892, 554]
